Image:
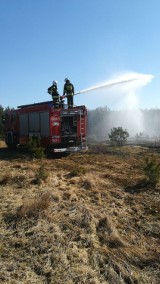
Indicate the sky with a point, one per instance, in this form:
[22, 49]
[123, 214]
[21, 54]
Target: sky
[88, 41]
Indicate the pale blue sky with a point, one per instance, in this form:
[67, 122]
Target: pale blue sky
[88, 41]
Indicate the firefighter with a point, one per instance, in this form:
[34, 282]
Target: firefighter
[53, 91]
[69, 91]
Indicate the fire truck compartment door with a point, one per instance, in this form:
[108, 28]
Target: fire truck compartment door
[23, 122]
[44, 122]
[34, 122]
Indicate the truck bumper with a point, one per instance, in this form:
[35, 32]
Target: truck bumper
[70, 149]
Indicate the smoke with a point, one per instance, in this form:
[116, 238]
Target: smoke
[121, 93]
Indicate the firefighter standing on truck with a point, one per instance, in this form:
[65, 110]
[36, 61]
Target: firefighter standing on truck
[69, 91]
[53, 91]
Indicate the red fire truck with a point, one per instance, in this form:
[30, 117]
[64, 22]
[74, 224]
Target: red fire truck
[58, 129]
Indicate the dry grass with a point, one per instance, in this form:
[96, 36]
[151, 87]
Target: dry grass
[91, 219]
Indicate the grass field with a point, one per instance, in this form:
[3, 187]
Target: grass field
[84, 218]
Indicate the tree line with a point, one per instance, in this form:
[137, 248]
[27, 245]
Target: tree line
[3, 112]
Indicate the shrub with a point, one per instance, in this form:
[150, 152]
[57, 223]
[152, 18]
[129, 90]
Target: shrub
[42, 173]
[35, 149]
[118, 135]
[152, 170]
[77, 171]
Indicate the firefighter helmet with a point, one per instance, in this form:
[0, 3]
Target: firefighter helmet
[66, 80]
[55, 83]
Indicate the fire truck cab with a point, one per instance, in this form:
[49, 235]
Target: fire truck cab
[58, 129]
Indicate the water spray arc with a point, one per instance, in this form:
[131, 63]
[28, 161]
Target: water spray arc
[104, 86]
[140, 79]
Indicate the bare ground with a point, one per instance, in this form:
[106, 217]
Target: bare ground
[85, 218]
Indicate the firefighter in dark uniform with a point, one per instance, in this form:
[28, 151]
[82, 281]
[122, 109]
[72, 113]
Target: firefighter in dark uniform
[53, 91]
[69, 91]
